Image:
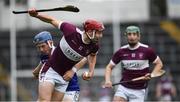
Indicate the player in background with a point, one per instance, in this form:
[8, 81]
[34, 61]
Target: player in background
[44, 43]
[135, 58]
[165, 88]
[72, 48]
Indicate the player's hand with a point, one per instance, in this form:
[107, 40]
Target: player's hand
[68, 75]
[147, 76]
[87, 76]
[35, 74]
[107, 84]
[32, 12]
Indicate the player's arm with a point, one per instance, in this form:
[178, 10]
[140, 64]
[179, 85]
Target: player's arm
[108, 73]
[44, 17]
[69, 74]
[158, 90]
[173, 91]
[36, 70]
[79, 65]
[157, 65]
[92, 62]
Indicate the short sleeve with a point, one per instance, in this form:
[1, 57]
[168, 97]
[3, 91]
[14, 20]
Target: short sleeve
[151, 55]
[116, 58]
[67, 28]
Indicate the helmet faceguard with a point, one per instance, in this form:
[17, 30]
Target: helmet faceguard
[42, 37]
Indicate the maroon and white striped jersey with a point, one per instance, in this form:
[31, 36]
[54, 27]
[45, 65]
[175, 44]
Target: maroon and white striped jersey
[135, 63]
[70, 49]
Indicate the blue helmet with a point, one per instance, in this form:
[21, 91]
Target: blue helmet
[42, 37]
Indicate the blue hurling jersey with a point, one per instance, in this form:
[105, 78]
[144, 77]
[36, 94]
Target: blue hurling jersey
[73, 83]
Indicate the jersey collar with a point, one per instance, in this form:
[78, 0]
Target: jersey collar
[134, 48]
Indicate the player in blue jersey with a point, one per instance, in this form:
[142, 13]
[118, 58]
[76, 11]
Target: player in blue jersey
[44, 44]
[72, 48]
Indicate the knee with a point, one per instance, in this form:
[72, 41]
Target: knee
[119, 99]
[43, 99]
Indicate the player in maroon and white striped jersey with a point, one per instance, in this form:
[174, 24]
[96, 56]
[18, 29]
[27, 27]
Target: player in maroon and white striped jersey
[165, 88]
[72, 48]
[135, 58]
[44, 43]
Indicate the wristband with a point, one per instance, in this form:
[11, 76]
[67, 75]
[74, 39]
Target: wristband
[74, 69]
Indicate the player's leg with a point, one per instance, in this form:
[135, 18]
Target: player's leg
[120, 95]
[59, 91]
[136, 95]
[57, 96]
[46, 86]
[48, 82]
[59, 88]
[71, 96]
[45, 91]
[119, 99]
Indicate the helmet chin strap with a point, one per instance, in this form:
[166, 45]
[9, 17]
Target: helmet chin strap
[50, 45]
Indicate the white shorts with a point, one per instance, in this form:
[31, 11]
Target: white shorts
[166, 98]
[72, 95]
[53, 77]
[131, 95]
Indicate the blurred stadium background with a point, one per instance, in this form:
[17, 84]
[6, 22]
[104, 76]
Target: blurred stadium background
[159, 21]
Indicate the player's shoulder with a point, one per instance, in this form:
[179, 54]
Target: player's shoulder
[69, 25]
[144, 45]
[124, 46]
[69, 28]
